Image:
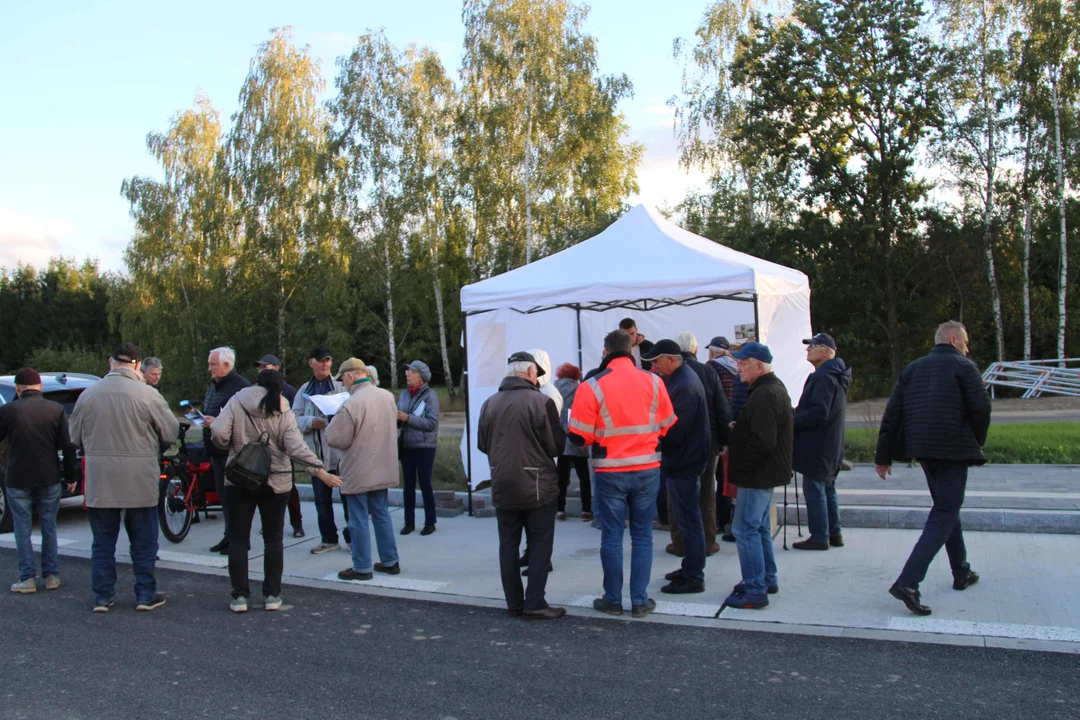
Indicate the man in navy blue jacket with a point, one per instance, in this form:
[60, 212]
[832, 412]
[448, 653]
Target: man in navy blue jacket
[684, 455]
[819, 441]
[939, 414]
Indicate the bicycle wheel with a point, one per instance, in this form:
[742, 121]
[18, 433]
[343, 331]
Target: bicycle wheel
[173, 511]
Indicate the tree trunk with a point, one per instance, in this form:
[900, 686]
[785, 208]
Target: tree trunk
[1063, 277]
[390, 313]
[437, 287]
[988, 235]
[528, 189]
[1027, 244]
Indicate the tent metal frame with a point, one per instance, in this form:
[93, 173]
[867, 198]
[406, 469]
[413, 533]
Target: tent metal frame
[640, 305]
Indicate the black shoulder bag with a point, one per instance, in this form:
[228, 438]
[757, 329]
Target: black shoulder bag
[249, 469]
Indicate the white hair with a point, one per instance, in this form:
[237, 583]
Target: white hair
[687, 341]
[373, 373]
[150, 363]
[519, 367]
[226, 354]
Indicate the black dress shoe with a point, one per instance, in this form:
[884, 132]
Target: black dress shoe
[394, 569]
[910, 597]
[548, 613]
[967, 581]
[222, 547]
[428, 529]
[525, 571]
[683, 586]
[810, 545]
[407, 529]
[727, 537]
[350, 574]
[673, 575]
[836, 541]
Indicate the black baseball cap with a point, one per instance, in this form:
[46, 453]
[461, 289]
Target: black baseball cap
[321, 352]
[268, 360]
[522, 356]
[821, 339]
[127, 353]
[662, 347]
[720, 343]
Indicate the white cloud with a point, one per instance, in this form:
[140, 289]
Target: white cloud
[29, 239]
[661, 179]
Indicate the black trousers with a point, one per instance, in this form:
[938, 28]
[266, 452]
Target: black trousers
[581, 465]
[271, 507]
[947, 482]
[217, 464]
[539, 527]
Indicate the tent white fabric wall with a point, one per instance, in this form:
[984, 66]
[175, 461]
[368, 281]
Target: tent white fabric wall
[641, 257]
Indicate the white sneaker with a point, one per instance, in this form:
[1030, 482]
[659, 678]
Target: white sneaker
[25, 587]
[324, 548]
[238, 605]
[273, 602]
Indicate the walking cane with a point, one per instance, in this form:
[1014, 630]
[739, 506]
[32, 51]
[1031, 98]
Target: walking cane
[785, 517]
[798, 516]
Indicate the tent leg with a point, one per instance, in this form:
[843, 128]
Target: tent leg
[580, 350]
[757, 322]
[468, 425]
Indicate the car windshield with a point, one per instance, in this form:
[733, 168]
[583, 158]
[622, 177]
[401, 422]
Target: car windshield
[66, 398]
[7, 392]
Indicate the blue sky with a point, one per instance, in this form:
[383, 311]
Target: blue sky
[82, 83]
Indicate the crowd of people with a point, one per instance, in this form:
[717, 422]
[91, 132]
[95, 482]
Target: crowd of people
[656, 439]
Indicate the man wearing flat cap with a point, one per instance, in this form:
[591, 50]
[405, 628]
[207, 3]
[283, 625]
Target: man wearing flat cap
[819, 441]
[365, 431]
[684, 451]
[296, 516]
[520, 432]
[120, 423]
[761, 446]
[36, 430]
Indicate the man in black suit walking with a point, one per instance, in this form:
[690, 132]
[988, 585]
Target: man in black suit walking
[939, 414]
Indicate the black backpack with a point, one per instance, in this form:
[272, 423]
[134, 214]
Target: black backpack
[250, 468]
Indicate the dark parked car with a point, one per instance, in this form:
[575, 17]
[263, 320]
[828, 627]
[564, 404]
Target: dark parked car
[63, 388]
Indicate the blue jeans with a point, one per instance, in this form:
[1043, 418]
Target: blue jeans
[417, 463]
[22, 501]
[324, 508]
[141, 525]
[376, 504]
[947, 482]
[618, 490]
[686, 507]
[753, 538]
[822, 508]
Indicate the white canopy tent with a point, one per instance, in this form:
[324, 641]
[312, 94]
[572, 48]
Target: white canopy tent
[644, 267]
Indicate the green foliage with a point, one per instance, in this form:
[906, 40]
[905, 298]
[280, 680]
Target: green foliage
[93, 361]
[1016, 443]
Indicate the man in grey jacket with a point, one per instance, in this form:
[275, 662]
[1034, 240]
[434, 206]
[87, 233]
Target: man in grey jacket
[120, 424]
[520, 432]
[312, 424]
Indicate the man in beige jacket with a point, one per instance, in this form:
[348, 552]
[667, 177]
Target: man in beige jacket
[365, 430]
[120, 423]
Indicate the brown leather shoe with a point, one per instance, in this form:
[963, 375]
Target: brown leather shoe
[548, 613]
[712, 550]
[586, 517]
[670, 549]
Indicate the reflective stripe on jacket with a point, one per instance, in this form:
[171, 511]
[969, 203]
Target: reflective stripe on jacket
[622, 412]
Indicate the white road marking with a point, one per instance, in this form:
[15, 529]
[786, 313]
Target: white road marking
[965, 627]
[663, 607]
[394, 582]
[193, 559]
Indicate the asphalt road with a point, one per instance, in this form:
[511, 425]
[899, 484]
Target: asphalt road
[343, 655]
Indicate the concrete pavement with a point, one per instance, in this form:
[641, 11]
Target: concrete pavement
[1029, 596]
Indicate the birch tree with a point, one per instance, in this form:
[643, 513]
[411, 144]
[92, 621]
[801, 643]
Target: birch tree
[368, 138]
[979, 115]
[273, 150]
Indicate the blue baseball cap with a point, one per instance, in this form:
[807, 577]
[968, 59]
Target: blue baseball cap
[821, 339]
[753, 351]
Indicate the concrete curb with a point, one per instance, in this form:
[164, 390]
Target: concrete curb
[1058, 522]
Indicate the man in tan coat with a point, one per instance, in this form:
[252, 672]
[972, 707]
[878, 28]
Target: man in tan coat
[365, 430]
[120, 423]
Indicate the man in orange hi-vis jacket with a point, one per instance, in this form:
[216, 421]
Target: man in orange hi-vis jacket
[622, 412]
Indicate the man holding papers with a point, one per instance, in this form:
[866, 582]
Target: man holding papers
[365, 430]
[312, 423]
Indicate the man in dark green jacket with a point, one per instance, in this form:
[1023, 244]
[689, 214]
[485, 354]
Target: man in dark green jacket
[761, 449]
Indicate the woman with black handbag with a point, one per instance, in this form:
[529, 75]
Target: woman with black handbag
[258, 428]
